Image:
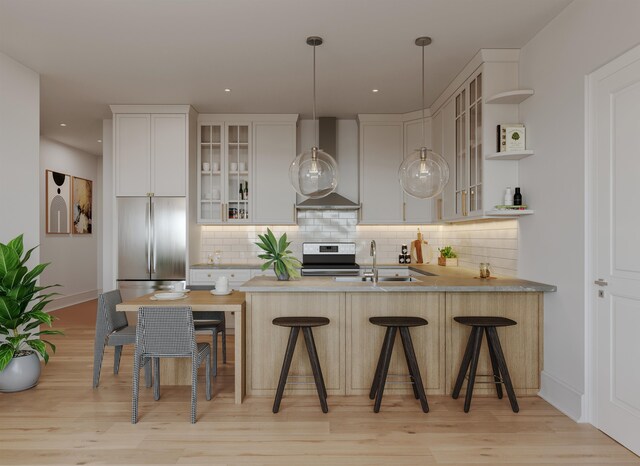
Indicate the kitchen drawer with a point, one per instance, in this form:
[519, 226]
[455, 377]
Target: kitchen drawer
[209, 276]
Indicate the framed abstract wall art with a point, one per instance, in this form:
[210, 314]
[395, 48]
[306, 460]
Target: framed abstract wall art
[58, 192]
[82, 206]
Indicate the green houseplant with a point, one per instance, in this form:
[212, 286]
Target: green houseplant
[22, 306]
[285, 265]
[447, 256]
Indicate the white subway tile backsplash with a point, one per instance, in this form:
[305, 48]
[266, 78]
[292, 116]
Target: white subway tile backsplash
[492, 241]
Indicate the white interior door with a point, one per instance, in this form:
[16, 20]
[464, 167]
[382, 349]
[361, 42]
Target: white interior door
[615, 119]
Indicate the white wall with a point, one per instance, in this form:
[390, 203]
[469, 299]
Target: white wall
[586, 35]
[106, 277]
[19, 149]
[74, 258]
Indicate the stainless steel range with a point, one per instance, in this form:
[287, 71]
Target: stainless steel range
[329, 259]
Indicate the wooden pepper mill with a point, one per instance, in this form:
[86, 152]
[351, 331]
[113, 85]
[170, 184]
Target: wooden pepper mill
[418, 249]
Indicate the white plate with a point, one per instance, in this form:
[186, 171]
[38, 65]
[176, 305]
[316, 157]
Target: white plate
[168, 296]
[218, 293]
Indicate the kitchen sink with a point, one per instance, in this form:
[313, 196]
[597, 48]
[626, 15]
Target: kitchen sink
[381, 279]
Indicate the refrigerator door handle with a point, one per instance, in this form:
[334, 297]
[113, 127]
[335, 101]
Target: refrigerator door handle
[153, 238]
[147, 221]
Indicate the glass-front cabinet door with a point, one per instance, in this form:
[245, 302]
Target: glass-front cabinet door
[224, 167]
[210, 180]
[475, 145]
[238, 170]
[468, 134]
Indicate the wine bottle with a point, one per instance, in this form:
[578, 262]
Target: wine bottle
[240, 193]
[517, 197]
[246, 190]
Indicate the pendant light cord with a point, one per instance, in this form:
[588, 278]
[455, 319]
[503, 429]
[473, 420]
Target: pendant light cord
[424, 142]
[315, 129]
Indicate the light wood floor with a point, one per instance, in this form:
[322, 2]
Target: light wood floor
[64, 421]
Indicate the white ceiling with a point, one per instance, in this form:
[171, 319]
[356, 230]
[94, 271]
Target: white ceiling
[91, 53]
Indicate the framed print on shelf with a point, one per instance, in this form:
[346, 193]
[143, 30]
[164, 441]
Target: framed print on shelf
[58, 192]
[81, 209]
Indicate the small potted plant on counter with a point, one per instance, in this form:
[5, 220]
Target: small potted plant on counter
[447, 257]
[21, 314]
[285, 265]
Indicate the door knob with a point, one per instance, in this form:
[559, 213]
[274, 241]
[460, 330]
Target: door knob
[601, 282]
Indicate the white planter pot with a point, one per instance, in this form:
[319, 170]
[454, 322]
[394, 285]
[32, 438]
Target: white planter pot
[22, 373]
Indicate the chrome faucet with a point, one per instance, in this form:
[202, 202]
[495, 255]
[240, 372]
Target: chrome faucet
[374, 269]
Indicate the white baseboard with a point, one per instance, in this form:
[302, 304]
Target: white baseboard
[561, 396]
[70, 300]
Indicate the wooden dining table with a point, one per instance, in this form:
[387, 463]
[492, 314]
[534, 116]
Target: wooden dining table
[177, 371]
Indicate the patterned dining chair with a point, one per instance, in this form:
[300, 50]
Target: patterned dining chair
[168, 332]
[112, 329]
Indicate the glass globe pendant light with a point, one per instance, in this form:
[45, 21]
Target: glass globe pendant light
[314, 173]
[424, 173]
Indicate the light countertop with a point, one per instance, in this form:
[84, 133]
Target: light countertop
[446, 279]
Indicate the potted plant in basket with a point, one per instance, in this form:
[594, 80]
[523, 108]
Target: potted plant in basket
[21, 314]
[447, 257]
[276, 253]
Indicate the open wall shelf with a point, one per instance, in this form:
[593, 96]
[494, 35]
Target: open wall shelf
[510, 97]
[509, 155]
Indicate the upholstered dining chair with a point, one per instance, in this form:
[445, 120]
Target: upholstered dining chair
[214, 322]
[168, 332]
[112, 329]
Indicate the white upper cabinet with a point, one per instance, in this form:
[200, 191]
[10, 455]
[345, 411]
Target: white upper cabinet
[132, 136]
[483, 96]
[418, 210]
[243, 167]
[274, 149]
[381, 153]
[151, 150]
[169, 154]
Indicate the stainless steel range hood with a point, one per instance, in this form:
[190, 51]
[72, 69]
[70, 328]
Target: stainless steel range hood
[327, 141]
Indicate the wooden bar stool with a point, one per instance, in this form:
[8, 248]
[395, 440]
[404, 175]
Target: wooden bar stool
[394, 324]
[472, 353]
[306, 324]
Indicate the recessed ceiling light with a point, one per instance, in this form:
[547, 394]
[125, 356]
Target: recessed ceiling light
[375, 90]
[99, 140]
[63, 124]
[227, 90]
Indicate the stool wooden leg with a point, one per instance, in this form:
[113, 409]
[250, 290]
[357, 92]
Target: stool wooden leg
[464, 366]
[477, 342]
[502, 364]
[388, 348]
[315, 367]
[494, 365]
[288, 356]
[411, 375]
[376, 377]
[414, 368]
[313, 344]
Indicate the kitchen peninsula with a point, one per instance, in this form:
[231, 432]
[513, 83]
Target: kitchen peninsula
[348, 347]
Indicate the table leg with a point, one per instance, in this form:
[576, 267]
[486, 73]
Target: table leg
[240, 381]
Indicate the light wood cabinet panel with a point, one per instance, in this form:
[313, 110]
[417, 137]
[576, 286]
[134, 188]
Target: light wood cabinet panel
[350, 346]
[133, 154]
[364, 341]
[266, 343]
[521, 344]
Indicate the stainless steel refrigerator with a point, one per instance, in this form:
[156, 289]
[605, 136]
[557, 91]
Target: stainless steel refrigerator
[152, 240]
